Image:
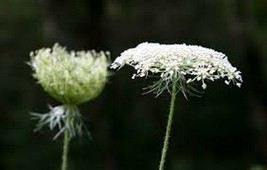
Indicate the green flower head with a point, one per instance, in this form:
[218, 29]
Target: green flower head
[70, 77]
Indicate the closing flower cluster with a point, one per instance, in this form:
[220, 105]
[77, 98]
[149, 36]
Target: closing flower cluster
[179, 63]
[70, 77]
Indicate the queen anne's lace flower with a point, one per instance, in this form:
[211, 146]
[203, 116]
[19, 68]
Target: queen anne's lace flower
[179, 63]
[70, 77]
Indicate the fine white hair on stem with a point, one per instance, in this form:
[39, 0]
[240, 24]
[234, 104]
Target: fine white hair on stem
[178, 63]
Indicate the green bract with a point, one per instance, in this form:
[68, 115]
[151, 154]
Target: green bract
[70, 77]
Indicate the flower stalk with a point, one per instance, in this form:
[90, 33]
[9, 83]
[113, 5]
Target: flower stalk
[65, 150]
[168, 129]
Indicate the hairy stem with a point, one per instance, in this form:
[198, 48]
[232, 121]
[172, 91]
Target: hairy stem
[168, 129]
[64, 165]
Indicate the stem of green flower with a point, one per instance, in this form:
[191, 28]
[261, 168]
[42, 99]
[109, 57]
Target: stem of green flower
[168, 129]
[64, 165]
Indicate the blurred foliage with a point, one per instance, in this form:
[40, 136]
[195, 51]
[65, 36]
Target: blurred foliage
[224, 129]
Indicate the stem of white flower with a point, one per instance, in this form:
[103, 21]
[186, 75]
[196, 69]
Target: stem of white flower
[64, 165]
[168, 129]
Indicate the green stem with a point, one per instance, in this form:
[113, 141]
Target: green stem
[168, 130]
[64, 165]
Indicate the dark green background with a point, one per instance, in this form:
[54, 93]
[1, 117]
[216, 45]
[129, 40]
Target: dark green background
[225, 129]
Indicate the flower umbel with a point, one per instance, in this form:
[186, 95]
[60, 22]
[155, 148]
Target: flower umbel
[178, 63]
[70, 77]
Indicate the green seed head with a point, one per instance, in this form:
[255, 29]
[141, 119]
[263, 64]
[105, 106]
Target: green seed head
[70, 77]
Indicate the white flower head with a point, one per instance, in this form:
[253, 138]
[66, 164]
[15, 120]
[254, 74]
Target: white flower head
[70, 77]
[178, 63]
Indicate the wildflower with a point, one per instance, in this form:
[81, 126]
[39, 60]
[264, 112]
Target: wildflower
[71, 78]
[177, 67]
[178, 63]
